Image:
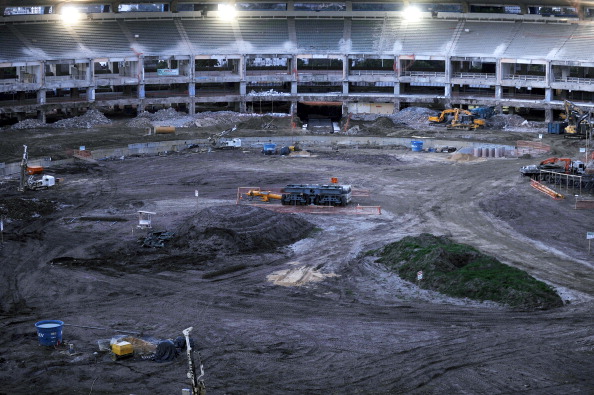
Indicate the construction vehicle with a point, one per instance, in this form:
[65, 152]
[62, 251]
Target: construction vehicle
[579, 123]
[219, 141]
[306, 194]
[27, 179]
[316, 194]
[458, 118]
[554, 164]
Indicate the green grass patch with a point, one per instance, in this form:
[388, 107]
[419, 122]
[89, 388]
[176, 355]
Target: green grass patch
[461, 270]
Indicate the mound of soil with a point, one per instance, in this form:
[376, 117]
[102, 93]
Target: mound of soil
[233, 229]
[462, 271]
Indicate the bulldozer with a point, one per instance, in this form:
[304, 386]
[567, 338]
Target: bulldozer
[458, 118]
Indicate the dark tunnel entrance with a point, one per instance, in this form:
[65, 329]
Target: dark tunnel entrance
[321, 117]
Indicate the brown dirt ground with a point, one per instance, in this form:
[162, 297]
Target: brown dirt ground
[274, 313]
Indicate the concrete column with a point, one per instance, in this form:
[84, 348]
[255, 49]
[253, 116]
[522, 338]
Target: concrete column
[548, 115]
[447, 92]
[91, 94]
[398, 68]
[498, 71]
[293, 87]
[448, 69]
[548, 73]
[41, 98]
[242, 88]
[548, 95]
[192, 106]
[345, 109]
[192, 68]
[242, 67]
[140, 69]
[498, 92]
[345, 88]
[397, 89]
[242, 106]
[293, 108]
[141, 92]
[465, 7]
[192, 89]
[41, 116]
[40, 74]
[345, 68]
[564, 72]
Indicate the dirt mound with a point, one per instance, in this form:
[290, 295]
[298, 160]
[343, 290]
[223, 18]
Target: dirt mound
[235, 229]
[23, 209]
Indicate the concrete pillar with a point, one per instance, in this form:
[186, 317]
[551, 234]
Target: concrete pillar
[498, 71]
[498, 92]
[448, 69]
[548, 115]
[345, 88]
[345, 68]
[192, 107]
[293, 87]
[141, 92]
[548, 73]
[465, 7]
[140, 69]
[564, 72]
[40, 74]
[293, 108]
[192, 89]
[548, 95]
[345, 109]
[41, 96]
[192, 68]
[91, 94]
[242, 106]
[447, 92]
[242, 88]
[242, 67]
[397, 89]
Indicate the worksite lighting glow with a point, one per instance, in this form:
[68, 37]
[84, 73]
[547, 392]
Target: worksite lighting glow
[227, 12]
[411, 13]
[70, 15]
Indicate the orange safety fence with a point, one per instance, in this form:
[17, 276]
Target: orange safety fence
[546, 190]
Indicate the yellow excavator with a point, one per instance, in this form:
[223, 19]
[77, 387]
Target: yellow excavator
[578, 121]
[460, 119]
[264, 196]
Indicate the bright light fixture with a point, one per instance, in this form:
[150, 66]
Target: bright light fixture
[412, 13]
[227, 12]
[70, 15]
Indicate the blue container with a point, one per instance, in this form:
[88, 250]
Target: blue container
[49, 332]
[416, 145]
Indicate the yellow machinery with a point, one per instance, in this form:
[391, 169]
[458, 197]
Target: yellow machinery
[578, 121]
[461, 119]
[122, 349]
[264, 196]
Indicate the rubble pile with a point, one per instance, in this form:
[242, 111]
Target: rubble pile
[86, 121]
[513, 122]
[28, 124]
[414, 115]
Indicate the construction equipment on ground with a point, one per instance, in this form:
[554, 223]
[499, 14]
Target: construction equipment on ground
[218, 141]
[198, 387]
[28, 181]
[559, 165]
[458, 118]
[316, 194]
[579, 122]
[264, 196]
[307, 194]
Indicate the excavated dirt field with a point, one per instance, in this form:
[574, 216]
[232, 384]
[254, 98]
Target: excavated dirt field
[286, 303]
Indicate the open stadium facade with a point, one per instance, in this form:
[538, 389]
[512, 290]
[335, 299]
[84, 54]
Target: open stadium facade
[356, 61]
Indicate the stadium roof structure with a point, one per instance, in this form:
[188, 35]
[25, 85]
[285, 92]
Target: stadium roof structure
[552, 3]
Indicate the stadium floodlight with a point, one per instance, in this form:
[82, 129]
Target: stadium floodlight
[227, 11]
[70, 15]
[411, 13]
